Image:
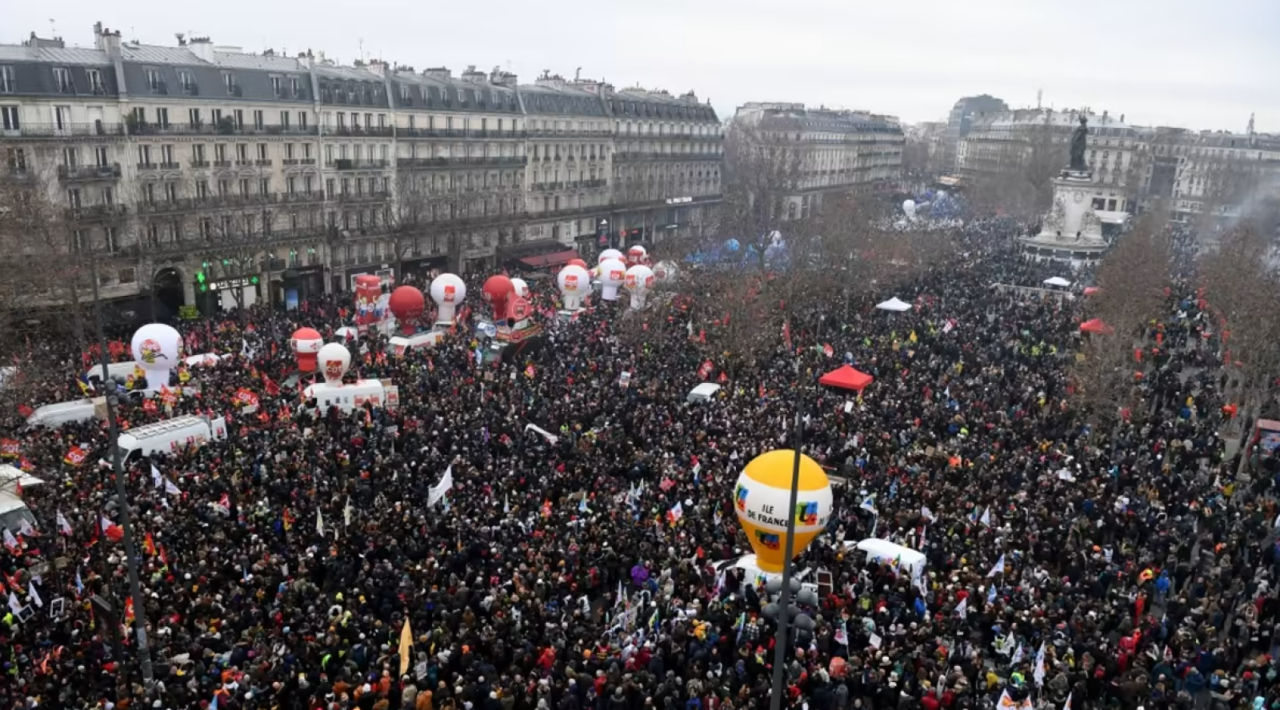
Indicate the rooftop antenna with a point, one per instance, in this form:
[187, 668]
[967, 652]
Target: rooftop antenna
[360, 42]
[53, 28]
[577, 74]
[1039, 96]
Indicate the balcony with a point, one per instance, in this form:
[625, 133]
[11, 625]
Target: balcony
[96, 212]
[639, 157]
[568, 133]
[313, 196]
[291, 162]
[348, 164]
[147, 166]
[546, 186]
[159, 87]
[55, 130]
[592, 184]
[350, 197]
[502, 160]
[74, 173]
[198, 164]
[262, 162]
[381, 131]
[169, 166]
[222, 163]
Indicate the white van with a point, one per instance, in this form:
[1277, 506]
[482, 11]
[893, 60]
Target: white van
[165, 436]
[353, 396]
[13, 511]
[400, 344]
[116, 371]
[703, 392]
[78, 410]
[886, 552]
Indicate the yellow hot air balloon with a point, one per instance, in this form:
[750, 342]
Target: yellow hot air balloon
[761, 497]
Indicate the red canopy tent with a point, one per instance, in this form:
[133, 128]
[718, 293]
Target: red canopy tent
[845, 377]
[1096, 325]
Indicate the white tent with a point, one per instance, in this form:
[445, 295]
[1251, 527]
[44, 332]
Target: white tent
[1057, 281]
[891, 553]
[895, 305]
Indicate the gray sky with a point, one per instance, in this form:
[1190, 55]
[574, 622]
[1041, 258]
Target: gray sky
[1192, 63]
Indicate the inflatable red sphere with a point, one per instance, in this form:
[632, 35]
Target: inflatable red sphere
[306, 342]
[497, 289]
[407, 303]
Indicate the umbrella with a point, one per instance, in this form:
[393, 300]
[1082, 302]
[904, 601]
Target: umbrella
[1096, 325]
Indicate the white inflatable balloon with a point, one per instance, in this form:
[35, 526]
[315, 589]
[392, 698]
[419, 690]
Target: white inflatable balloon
[522, 288]
[447, 290]
[636, 255]
[639, 280]
[665, 271]
[608, 254]
[909, 209]
[157, 348]
[334, 360]
[574, 283]
[612, 273]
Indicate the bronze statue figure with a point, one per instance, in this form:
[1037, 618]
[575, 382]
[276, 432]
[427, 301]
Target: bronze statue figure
[1077, 144]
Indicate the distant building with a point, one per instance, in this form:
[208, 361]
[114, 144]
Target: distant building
[961, 118]
[838, 150]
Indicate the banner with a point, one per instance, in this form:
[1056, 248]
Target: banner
[75, 456]
[9, 448]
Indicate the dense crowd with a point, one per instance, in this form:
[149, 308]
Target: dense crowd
[1122, 568]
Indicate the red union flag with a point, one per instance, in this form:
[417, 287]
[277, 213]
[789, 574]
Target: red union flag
[75, 456]
[246, 397]
[705, 370]
[616, 274]
[333, 369]
[9, 448]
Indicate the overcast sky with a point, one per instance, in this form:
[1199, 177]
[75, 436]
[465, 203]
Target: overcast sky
[1194, 63]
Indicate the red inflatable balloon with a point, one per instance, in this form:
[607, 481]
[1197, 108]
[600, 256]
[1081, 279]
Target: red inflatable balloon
[497, 289]
[407, 303]
[305, 343]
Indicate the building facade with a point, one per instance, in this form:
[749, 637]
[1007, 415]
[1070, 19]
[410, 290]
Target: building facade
[960, 120]
[204, 175]
[828, 151]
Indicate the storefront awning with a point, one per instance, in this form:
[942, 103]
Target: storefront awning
[541, 261]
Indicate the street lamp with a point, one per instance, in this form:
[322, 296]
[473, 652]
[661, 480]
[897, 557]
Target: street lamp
[840, 379]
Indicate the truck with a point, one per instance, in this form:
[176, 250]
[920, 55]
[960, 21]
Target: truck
[170, 435]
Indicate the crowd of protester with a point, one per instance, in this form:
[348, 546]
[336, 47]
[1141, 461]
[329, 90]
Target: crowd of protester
[279, 567]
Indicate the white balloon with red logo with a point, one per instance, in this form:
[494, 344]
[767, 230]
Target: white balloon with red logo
[612, 275]
[608, 254]
[637, 255]
[334, 359]
[639, 281]
[574, 283]
[448, 291]
[157, 348]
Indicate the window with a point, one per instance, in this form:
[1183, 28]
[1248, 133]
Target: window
[307, 184]
[275, 85]
[239, 114]
[290, 185]
[9, 114]
[144, 155]
[242, 152]
[206, 229]
[302, 120]
[262, 151]
[95, 81]
[193, 116]
[111, 239]
[230, 80]
[100, 157]
[185, 80]
[264, 186]
[224, 188]
[7, 83]
[16, 159]
[153, 234]
[166, 154]
[73, 198]
[108, 195]
[62, 117]
[215, 116]
[244, 187]
[342, 120]
[62, 80]
[257, 119]
[162, 117]
[293, 85]
[220, 152]
[153, 80]
[328, 187]
[288, 151]
[382, 120]
[171, 192]
[284, 120]
[149, 193]
[202, 189]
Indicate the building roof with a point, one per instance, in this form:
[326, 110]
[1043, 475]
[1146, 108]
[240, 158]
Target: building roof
[52, 55]
[559, 97]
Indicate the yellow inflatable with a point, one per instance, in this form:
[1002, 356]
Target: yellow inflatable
[760, 499]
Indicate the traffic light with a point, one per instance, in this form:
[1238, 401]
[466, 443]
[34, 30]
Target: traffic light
[201, 284]
[253, 280]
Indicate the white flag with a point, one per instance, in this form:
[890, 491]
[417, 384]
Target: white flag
[156, 479]
[986, 517]
[868, 504]
[1067, 705]
[926, 513]
[171, 488]
[64, 527]
[319, 523]
[998, 567]
[346, 513]
[963, 608]
[25, 528]
[14, 606]
[10, 541]
[506, 504]
[35, 596]
[437, 491]
[1017, 655]
[1038, 671]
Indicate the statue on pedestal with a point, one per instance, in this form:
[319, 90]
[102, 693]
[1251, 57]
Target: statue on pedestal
[1078, 139]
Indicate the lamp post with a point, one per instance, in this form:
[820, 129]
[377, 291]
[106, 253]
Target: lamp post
[122, 494]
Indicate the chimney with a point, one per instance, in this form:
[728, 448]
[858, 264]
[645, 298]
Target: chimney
[41, 43]
[473, 76]
[202, 47]
[105, 40]
[378, 66]
[503, 78]
[438, 73]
